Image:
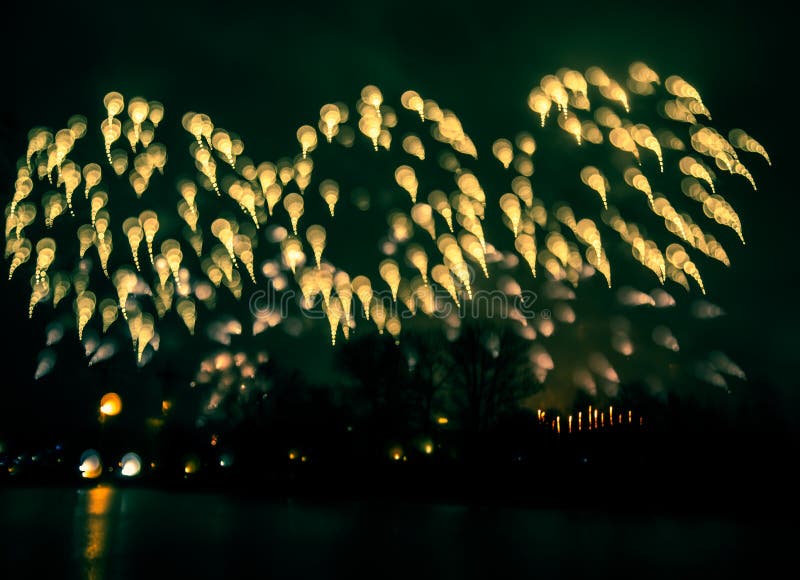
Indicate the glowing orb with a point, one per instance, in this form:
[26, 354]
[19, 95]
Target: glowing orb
[131, 465]
[91, 467]
[110, 404]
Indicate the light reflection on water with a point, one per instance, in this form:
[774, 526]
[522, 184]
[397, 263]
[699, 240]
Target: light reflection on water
[92, 522]
[105, 533]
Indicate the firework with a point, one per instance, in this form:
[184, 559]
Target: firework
[247, 223]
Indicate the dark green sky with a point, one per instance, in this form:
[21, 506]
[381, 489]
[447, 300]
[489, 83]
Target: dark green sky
[262, 71]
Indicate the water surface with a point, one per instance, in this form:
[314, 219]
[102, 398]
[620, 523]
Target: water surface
[109, 533]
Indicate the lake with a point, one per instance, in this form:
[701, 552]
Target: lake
[108, 533]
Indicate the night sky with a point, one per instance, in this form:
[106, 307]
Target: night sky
[262, 72]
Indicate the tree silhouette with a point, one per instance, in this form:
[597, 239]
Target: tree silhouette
[476, 379]
[489, 372]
